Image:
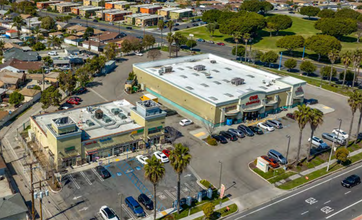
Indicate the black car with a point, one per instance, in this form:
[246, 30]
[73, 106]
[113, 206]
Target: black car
[310, 101]
[187, 26]
[256, 130]
[95, 20]
[219, 138]
[170, 112]
[195, 24]
[246, 130]
[228, 135]
[144, 200]
[103, 172]
[176, 29]
[81, 91]
[351, 181]
[140, 37]
[103, 29]
[177, 24]
[129, 28]
[77, 17]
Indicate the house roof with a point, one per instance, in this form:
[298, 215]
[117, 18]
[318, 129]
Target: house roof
[10, 45]
[11, 31]
[12, 205]
[25, 16]
[2, 163]
[106, 36]
[7, 73]
[19, 54]
[22, 65]
[29, 92]
[72, 38]
[93, 43]
[97, 31]
[56, 33]
[79, 34]
[77, 28]
[9, 80]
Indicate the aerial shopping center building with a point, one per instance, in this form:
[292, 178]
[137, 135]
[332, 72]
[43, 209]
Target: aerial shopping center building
[216, 90]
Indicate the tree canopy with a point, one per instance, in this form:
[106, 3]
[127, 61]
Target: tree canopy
[67, 81]
[326, 13]
[307, 67]
[211, 16]
[322, 44]
[278, 22]
[347, 13]
[291, 42]
[290, 64]
[241, 51]
[269, 57]
[111, 51]
[326, 71]
[50, 96]
[309, 11]
[256, 6]
[245, 22]
[47, 23]
[336, 27]
[16, 98]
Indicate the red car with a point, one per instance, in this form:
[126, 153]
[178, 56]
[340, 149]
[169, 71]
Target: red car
[291, 116]
[72, 101]
[166, 152]
[273, 163]
[220, 43]
[78, 99]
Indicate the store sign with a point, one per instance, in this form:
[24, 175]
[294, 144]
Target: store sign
[90, 142]
[299, 90]
[105, 139]
[253, 100]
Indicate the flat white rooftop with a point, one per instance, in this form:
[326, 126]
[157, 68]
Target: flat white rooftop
[119, 12]
[182, 10]
[213, 84]
[100, 128]
[137, 15]
[169, 9]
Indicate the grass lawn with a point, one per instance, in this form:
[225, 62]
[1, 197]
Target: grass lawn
[221, 212]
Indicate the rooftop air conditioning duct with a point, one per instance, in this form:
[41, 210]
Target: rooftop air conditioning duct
[167, 69]
[115, 111]
[237, 81]
[199, 67]
[213, 61]
[99, 114]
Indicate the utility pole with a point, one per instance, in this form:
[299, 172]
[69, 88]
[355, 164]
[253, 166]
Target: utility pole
[330, 155]
[42, 71]
[40, 203]
[120, 204]
[32, 189]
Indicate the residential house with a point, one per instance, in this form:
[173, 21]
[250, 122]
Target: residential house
[3, 95]
[8, 45]
[181, 14]
[12, 15]
[32, 23]
[73, 40]
[30, 94]
[93, 45]
[11, 80]
[25, 16]
[62, 64]
[97, 32]
[75, 28]
[106, 36]
[117, 16]
[56, 34]
[149, 20]
[12, 207]
[62, 25]
[11, 33]
[131, 19]
[19, 54]
[72, 51]
[19, 66]
[3, 30]
[43, 5]
[121, 5]
[63, 7]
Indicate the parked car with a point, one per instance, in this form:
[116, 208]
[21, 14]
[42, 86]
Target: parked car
[107, 213]
[176, 29]
[265, 126]
[81, 91]
[256, 130]
[170, 112]
[228, 135]
[166, 152]
[333, 138]
[145, 201]
[236, 132]
[129, 28]
[142, 159]
[95, 20]
[277, 156]
[72, 101]
[340, 133]
[247, 131]
[161, 156]
[310, 101]
[318, 142]
[185, 122]
[76, 98]
[351, 181]
[272, 162]
[187, 27]
[140, 37]
[220, 43]
[195, 24]
[135, 206]
[291, 116]
[177, 24]
[200, 40]
[219, 138]
[274, 123]
[77, 17]
[103, 172]
[139, 54]
[210, 42]
[52, 53]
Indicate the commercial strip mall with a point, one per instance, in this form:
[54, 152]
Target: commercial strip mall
[75, 136]
[216, 90]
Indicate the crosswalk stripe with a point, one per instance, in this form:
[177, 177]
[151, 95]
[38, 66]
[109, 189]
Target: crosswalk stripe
[99, 177]
[170, 194]
[86, 178]
[73, 181]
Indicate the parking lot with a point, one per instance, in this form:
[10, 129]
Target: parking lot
[90, 191]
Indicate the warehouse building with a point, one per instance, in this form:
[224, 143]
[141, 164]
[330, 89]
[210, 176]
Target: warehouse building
[75, 136]
[216, 90]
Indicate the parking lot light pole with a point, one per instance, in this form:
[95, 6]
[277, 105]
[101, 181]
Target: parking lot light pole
[220, 180]
[286, 156]
[332, 148]
[120, 203]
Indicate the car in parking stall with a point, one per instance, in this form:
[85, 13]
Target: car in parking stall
[256, 130]
[161, 156]
[145, 201]
[108, 213]
[277, 156]
[274, 123]
[340, 133]
[291, 116]
[316, 141]
[73, 101]
[265, 126]
[310, 101]
[200, 40]
[103, 172]
[334, 138]
[219, 138]
[247, 131]
[185, 122]
[220, 43]
[236, 132]
[272, 162]
[228, 135]
[142, 159]
[135, 206]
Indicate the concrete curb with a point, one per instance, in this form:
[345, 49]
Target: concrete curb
[232, 214]
[257, 173]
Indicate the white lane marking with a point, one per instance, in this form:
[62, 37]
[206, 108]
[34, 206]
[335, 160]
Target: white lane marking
[99, 177]
[344, 209]
[304, 213]
[92, 90]
[86, 178]
[76, 197]
[327, 202]
[327, 209]
[347, 192]
[73, 181]
[83, 209]
[128, 211]
[311, 200]
[170, 194]
[300, 192]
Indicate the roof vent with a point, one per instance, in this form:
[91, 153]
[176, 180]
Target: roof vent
[225, 80]
[204, 85]
[227, 68]
[167, 69]
[199, 67]
[213, 61]
[195, 74]
[229, 95]
[216, 82]
[115, 111]
[237, 81]
[89, 123]
[183, 76]
[99, 114]
[213, 98]
[189, 88]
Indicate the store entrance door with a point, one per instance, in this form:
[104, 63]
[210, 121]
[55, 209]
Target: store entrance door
[251, 115]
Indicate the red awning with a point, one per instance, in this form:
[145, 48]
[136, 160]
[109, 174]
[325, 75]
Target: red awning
[91, 152]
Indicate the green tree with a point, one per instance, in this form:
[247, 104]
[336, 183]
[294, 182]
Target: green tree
[84, 75]
[346, 59]
[50, 96]
[17, 23]
[240, 51]
[347, 13]
[346, 76]
[290, 64]
[180, 158]
[336, 27]
[333, 55]
[36, 87]
[170, 25]
[291, 42]
[246, 38]
[326, 72]
[48, 61]
[16, 98]
[322, 44]
[256, 6]
[47, 23]
[356, 60]
[149, 40]
[179, 40]
[208, 209]
[88, 33]
[302, 116]
[170, 40]
[111, 51]
[237, 36]
[191, 44]
[210, 27]
[2, 45]
[360, 115]
[278, 22]
[353, 102]
[126, 46]
[315, 119]
[246, 22]
[67, 82]
[161, 26]
[308, 67]
[309, 11]
[154, 172]
[39, 46]
[326, 13]
[211, 16]
[342, 154]
[269, 57]
[153, 54]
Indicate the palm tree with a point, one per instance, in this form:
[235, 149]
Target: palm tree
[236, 36]
[360, 114]
[170, 40]
[161, 26]
[180, 158]
[302, 117]
[346, 59]
[333, 55]
[178, 37]
[170, 25]
[315, 119]
[2, 45]
[353, 102]
[154, 172]
[58, 42]
[246, 38]
[18, 22]
[356, 59]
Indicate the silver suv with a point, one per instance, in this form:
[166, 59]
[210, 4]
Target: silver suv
[275, 124]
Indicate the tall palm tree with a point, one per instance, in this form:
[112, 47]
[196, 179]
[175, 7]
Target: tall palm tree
[333, 55]
[180, 158]
[315, 119]
[353, 103]
[177, 36]
[154, 172]
[360, 114]
[302, 117]
[346, 59]
[356, 59]
[2, 45]
[246, 38]
[236, 36]
[170, 40]
[170, 25]
[18, 22]
[161, 26]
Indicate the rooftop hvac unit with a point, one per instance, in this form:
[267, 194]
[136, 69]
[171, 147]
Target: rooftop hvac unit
[106, 119]
[213, 61]
[160, 71]
[122, 116]
[89, 123]
[237, 81]
[199, 67]
[115, 111]
[167, 69]
[98, 114]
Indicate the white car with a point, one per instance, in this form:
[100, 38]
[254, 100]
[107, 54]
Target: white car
[107, 213]
[161, 156]
[265, 126]
[52, 53]
[142, 159]
[340, 133]
[185, 122]
[139, 54]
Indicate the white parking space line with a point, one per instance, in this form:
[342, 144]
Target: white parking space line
[343, 209]
[327, 202]
[86, 178]
[73, 181]
[99, 177]
[92, 90]
[170, 194]
[128, 211]
[304, 213]
[347, 192]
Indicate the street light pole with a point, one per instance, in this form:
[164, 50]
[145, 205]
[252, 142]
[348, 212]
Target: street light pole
[286, 156]
[220, 175]
[332, 148]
